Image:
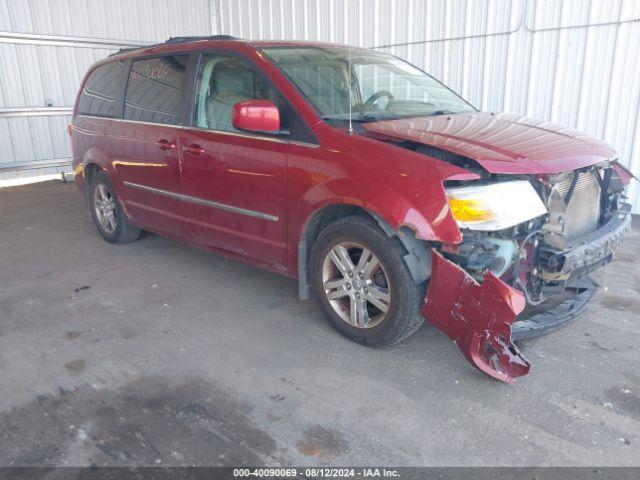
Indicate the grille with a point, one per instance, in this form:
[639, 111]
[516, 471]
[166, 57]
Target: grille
[583, 211]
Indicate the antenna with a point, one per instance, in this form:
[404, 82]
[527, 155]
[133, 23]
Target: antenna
[350, 93]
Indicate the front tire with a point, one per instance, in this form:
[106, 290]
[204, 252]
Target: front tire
[107, 212]
[362, 283]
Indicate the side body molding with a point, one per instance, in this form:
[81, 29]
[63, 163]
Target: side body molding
[477, 317]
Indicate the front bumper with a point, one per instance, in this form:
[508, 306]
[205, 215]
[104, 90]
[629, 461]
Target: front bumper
[587, 253]
[479, 317]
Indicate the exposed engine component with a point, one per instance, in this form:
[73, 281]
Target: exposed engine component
[480, 252]
[505, 255]
[539, 257]
[546, 257]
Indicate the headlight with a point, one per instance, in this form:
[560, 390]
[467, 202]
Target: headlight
[494, 206]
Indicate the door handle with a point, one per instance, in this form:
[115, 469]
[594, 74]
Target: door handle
[194, 149]
[165, 145]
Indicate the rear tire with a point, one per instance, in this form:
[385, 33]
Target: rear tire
[107, 212]
[355, 265]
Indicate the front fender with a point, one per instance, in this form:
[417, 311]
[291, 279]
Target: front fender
[426, 212]
[395, 215]
[393, 208]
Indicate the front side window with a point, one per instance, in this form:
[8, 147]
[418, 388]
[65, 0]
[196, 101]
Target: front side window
[98, 96]
[223, 82]
[155, 90]
[375, 85]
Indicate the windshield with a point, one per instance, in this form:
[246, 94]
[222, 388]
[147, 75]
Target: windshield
[378, 87]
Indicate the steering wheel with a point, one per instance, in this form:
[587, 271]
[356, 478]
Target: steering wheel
[377, 96]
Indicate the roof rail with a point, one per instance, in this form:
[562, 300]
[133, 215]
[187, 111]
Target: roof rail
[173, 40]
[193, 39]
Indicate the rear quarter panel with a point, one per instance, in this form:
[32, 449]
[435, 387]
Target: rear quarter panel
[90, 145]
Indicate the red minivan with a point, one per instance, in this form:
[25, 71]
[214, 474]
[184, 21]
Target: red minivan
[387, 195]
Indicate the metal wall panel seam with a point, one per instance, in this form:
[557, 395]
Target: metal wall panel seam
[522, 25]
[611, 72]
[34, 111]
[634, 191]
[464, 37]
[17, 166]
[588, 25]
[42, 77]
[582, 68]
[66, 41]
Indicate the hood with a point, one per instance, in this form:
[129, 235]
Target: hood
[500, 143]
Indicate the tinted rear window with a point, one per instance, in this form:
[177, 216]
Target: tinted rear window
[98, 95]
[155, 90]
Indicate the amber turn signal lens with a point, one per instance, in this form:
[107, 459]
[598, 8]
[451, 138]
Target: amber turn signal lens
[469, 210]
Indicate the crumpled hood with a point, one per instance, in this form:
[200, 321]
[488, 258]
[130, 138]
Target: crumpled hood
[501, 143]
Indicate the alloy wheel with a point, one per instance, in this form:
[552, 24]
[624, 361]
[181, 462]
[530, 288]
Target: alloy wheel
[105, 207]
[356, 285]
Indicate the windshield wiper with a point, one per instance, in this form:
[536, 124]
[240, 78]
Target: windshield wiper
[442, 112]
[344, 118]
[361, 117]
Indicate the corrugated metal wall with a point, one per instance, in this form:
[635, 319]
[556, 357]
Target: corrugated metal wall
[540, 58]
[46, 47]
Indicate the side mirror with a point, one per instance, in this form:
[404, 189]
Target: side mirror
[256, 116]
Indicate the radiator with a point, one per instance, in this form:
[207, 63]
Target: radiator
[583, 210]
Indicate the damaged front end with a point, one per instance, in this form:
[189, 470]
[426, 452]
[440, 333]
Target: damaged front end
[522, 267]
[477, 317]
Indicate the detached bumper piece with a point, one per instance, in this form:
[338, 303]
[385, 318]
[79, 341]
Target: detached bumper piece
[476, 317]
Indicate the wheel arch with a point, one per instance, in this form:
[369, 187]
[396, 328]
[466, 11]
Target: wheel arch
[418, 257]
[90, 170]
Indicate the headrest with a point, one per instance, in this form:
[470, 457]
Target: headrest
[233, 78]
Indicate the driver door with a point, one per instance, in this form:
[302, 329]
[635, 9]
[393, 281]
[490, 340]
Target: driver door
[234, 181]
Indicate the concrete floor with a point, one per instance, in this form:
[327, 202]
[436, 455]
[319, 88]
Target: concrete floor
[155, 353]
